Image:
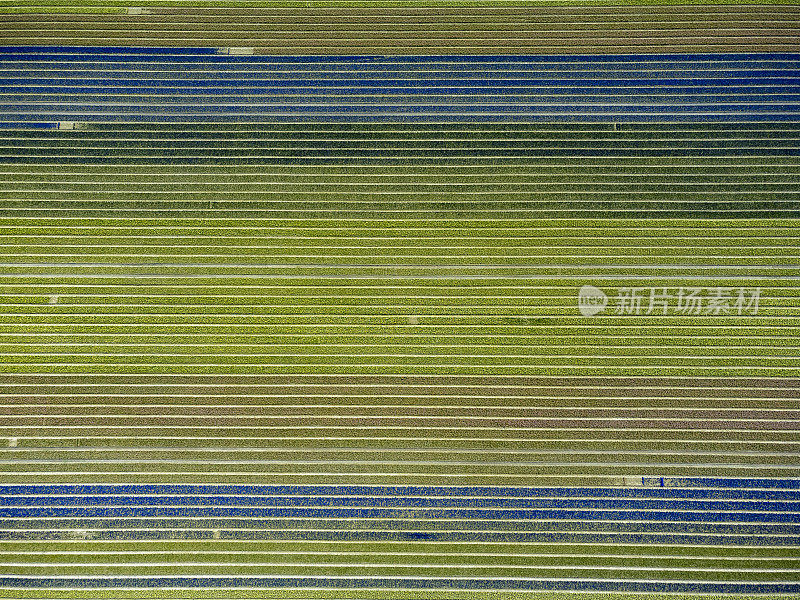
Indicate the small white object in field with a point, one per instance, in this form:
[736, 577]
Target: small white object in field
[53, 300]
[238, 50]
[12, 442]
[413, 321]
[66, 125]
[633, 481]
[137, 10]
[81, 534]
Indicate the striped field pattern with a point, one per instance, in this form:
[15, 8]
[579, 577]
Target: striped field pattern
[402, 299]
